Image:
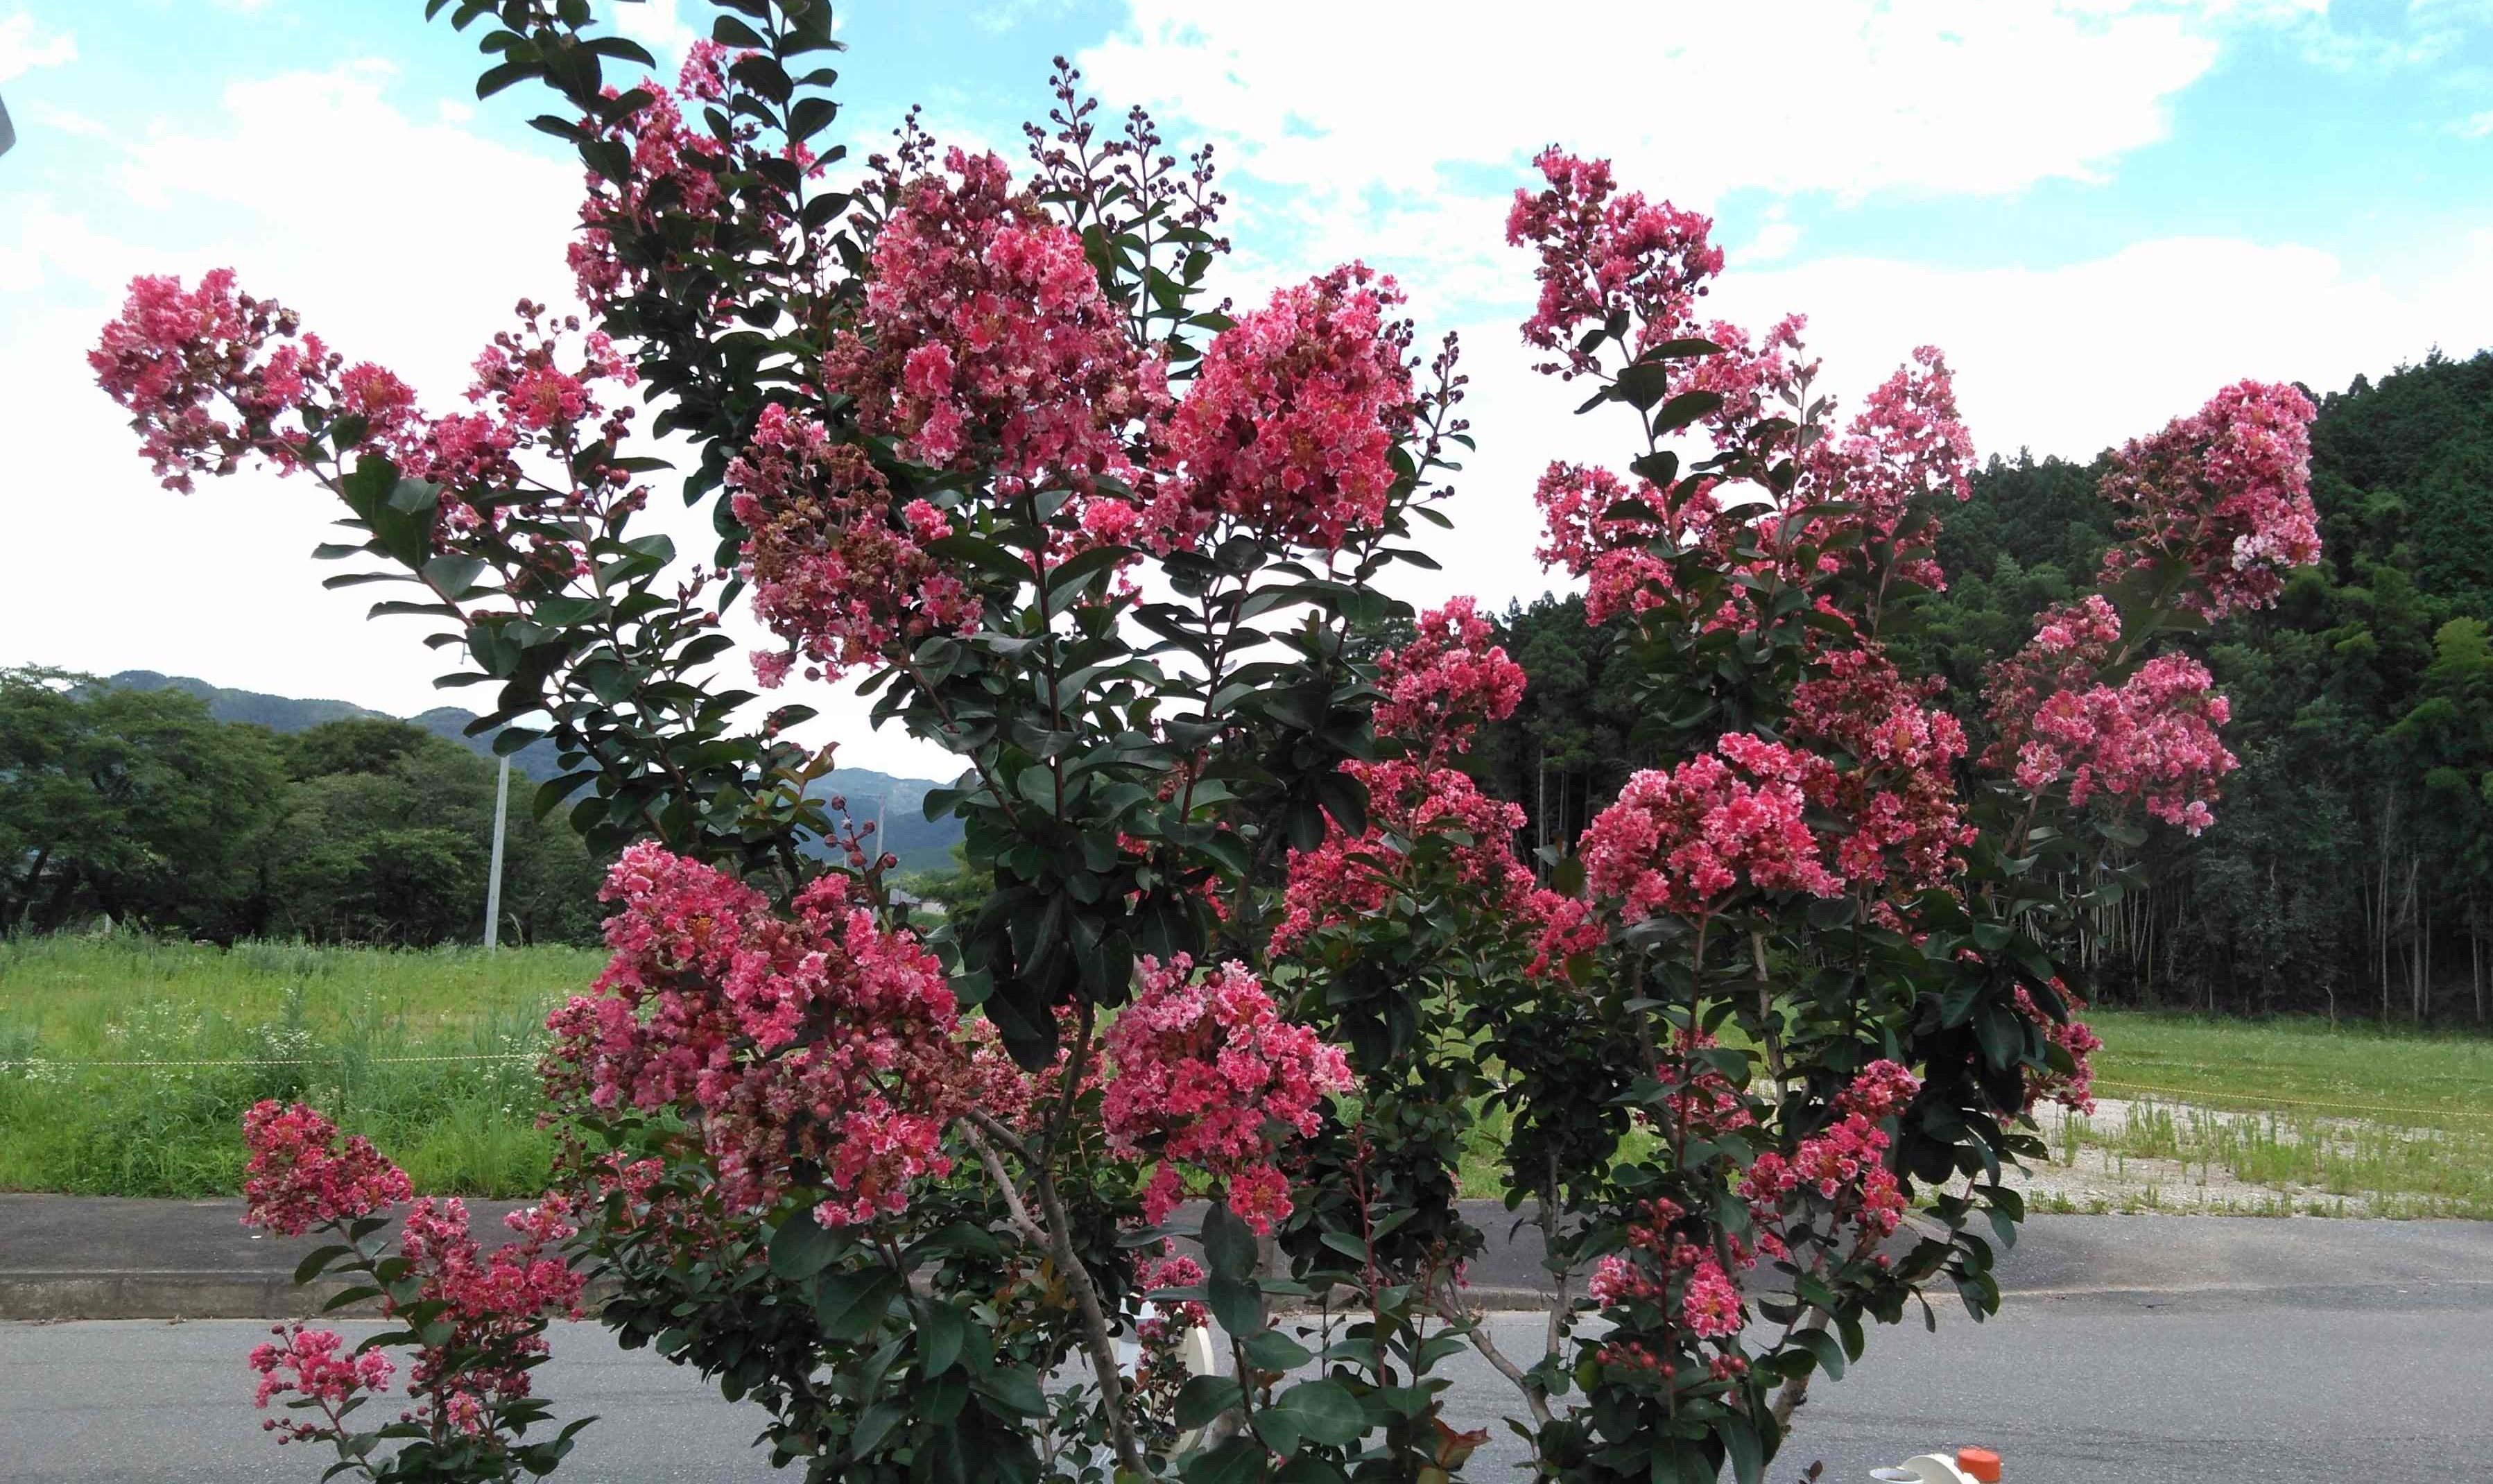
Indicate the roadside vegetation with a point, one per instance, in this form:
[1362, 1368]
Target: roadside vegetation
[430, 1052]
[2282, 1117]
[2289, 1116]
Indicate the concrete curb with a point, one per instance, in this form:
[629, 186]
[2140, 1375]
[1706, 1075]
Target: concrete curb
[172, 1293]
[73, 1258]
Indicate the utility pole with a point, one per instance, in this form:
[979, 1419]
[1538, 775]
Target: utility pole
[493, 882]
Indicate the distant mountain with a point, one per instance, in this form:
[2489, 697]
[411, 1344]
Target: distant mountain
[897, 802]
[898, 806]
[288, 713]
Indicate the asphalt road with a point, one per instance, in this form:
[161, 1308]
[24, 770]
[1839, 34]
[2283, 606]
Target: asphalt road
[2208, 1351]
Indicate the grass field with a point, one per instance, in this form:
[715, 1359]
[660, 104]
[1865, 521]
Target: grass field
[2398, 1122]
[2402, 1120]
[225, 1028]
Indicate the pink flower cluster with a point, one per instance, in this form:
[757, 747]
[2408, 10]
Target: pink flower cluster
[2153, 737]
[1900, 799]
[832, 570]
[674, 172]
[1290, 424]
[1679, 840]
[1351, 877]
[206, 373]
[821, 1037]
[1757, 376]
[1628, 574]
[209, 373]
[538, 393]
[1450, 678]
[307, 1363]
[1905, 442]
[985, 340]
[176, 352]
[494, 1301]
[1842, 1164]
[1701, 1102]
[297, 1178]
[2227, 491]
[1605, 253]
[1908, 441]
[1659, 1260]
[2075, 1089]
[1201, 1069]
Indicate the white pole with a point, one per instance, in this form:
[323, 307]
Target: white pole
[493, 882]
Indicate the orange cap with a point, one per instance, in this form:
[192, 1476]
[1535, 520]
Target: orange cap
[1979, 1464]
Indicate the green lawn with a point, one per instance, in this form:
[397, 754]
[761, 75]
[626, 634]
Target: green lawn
[2399, 1122]
[333, 1026]
[2401, 1077]
[2402, 1119]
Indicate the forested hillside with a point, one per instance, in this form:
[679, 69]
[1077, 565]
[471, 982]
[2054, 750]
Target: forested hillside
[224, 813]
[140, 806]
[2349, 869]
[906, 831]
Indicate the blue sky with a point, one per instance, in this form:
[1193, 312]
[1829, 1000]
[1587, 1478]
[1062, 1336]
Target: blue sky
[2102, 210]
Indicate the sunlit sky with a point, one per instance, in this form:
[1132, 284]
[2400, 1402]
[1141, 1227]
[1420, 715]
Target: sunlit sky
[2102, 210]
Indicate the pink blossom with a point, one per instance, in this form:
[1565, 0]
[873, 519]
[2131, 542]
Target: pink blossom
[1349, 877]
[985, 342]
[1441, 687]
[2227, 492]
[1906, 444]
[309, 1363]
[1201, 1069]
[1900, 797]
[494, 1302]
[1877, 1090]
[820, 1037]
[297, 1178]
[2074, 1089]
[1678, 840]
[832, 571]
[1567, 926]
[1605, 253]
[1290, 423]
[2153, 737]
[1625, 555]
[1711, 1306]
[206, 373]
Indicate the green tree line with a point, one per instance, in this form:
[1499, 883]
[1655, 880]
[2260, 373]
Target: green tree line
[140, 807]
[2351, 870]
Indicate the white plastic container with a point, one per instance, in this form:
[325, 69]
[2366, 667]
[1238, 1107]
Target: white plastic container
[1967, 1465]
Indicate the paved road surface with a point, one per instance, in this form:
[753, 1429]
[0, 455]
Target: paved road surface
[2141, 1351]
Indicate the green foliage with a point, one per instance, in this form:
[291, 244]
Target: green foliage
[2351, 868]
[139, 807]
[132, 804]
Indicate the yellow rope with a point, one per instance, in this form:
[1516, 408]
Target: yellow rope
[2240, 1097]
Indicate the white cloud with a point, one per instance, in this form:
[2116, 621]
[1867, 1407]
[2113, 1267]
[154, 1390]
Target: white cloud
[2066, 361]
[410, 250]
[1981, 96]
[62, 120]
[2475, 127]
[23, 48]
[1773, 243]
[654, 24]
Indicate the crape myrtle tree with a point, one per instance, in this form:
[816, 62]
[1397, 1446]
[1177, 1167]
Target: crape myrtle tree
[1256, 937]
